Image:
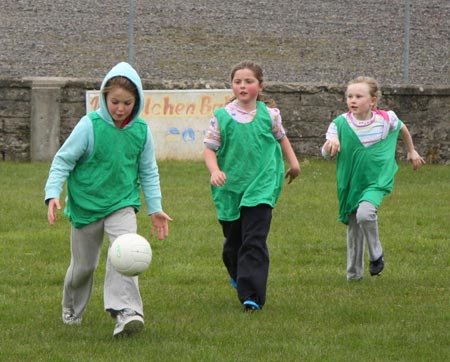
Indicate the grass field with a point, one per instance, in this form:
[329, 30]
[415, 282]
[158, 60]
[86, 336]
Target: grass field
[191, 312]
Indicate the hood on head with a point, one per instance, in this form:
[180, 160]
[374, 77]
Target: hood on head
[122, 69]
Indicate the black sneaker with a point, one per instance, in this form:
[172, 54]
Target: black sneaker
[250, 306]
[376, 266]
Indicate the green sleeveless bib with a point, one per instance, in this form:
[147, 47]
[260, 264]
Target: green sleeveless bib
[108, 180]
[252, 159]
[363, 173]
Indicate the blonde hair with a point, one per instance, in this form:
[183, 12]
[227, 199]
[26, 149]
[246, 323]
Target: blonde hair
[258, 73]
[374, 88]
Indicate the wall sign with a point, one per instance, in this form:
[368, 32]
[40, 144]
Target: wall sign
[178, 119]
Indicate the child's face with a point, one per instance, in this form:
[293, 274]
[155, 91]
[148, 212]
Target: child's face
[359, 100]
[120, 104]
[246, 86]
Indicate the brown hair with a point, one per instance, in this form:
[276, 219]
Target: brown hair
[374, 88]
[121, 82]
[124, 83]
[258, 73]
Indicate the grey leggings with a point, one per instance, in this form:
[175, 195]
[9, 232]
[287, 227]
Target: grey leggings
[362, 225]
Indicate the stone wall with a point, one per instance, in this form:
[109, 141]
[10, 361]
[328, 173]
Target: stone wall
[306, 109]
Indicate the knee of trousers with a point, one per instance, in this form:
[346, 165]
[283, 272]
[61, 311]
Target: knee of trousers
[82, 275]
[366, 213]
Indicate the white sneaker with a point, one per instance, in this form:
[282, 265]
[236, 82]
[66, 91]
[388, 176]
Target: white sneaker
[128, 322]
[69, 317]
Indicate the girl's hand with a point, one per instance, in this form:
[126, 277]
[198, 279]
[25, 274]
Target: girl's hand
[160, 224]
[53, 205]
[416, 160]
[218, 178]
[292, 173]
[332, 146]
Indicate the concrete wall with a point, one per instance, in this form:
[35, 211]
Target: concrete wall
[37, 114]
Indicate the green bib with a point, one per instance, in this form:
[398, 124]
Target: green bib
[252, 160]
[363, 173]
[108, 180]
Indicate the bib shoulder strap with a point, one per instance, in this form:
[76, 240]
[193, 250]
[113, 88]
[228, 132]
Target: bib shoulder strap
[382, 113]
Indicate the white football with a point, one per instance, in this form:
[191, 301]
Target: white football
[130, 254]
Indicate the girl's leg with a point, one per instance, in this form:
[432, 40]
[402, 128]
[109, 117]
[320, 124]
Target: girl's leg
[355, 249]
[253, 257]
[232, 244]
[120, 291]
[85, 244]
[366, 217]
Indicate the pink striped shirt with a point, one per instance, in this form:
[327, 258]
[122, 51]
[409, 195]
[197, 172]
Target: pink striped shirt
[368, 131]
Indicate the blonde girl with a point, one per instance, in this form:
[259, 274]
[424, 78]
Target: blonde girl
[364, 142]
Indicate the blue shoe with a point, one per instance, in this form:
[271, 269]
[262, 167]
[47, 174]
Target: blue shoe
[250, 306]
[233, 283]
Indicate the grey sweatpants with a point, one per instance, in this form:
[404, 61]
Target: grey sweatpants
[363, 224]
[86, 244]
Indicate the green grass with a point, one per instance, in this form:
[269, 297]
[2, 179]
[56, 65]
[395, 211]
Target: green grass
[192, 314]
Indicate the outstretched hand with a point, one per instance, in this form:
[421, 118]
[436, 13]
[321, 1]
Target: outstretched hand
[160, 224]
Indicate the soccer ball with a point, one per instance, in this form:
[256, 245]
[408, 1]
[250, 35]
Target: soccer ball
[130, 254]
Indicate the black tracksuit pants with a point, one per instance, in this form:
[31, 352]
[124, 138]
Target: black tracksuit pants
[245, 253]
